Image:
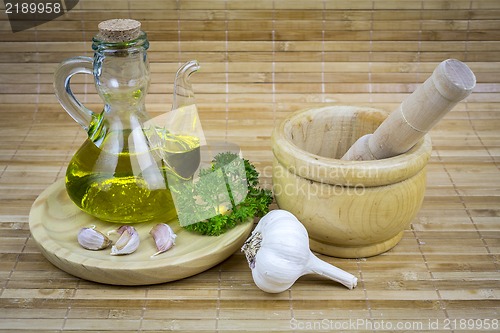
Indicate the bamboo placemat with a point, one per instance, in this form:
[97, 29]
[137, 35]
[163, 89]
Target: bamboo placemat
[260, 61]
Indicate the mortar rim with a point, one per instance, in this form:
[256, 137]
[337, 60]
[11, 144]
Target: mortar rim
[346, 173]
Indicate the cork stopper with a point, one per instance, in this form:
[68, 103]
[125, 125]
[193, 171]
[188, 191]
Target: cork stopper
[119, 30]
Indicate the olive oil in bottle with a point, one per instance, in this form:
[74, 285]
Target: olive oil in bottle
[105, 185]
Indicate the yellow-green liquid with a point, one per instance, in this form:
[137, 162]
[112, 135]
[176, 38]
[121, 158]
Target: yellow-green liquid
[110, 187]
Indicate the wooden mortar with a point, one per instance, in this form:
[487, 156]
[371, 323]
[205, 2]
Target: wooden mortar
[351, 209]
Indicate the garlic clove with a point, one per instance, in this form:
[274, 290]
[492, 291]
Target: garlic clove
[128, 241]
[92, 239]
[163, 236]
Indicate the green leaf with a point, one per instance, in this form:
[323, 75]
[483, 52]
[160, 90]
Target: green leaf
[255, 204]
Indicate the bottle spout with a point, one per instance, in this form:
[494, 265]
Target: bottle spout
[183, 92]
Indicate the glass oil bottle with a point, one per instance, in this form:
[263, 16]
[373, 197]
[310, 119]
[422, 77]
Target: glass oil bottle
[120, 172]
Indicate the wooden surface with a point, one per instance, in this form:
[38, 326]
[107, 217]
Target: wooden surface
[55, 221]
[260, 61]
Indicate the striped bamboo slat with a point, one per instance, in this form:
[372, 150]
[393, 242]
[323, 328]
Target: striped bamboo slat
[260, 61]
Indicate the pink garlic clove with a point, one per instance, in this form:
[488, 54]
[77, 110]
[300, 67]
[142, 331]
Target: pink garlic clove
[92, 239]
[128, 241]
[163, 236]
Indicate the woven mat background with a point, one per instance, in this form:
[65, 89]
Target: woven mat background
[260, 61]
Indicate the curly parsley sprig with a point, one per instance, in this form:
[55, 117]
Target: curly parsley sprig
[246, 203]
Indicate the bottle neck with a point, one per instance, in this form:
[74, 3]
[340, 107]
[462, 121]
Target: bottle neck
[121, 73]
[121, 76]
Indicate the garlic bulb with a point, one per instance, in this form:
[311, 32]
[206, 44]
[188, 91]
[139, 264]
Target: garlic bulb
[92, 239]
[128, 241]
[278, 254]
[163, 236]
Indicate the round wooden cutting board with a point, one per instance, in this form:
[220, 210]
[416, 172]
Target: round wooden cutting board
[55, 221]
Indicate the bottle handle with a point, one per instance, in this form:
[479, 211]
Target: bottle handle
[62, 78]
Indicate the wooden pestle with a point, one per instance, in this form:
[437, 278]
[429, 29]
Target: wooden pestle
[451, 82]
